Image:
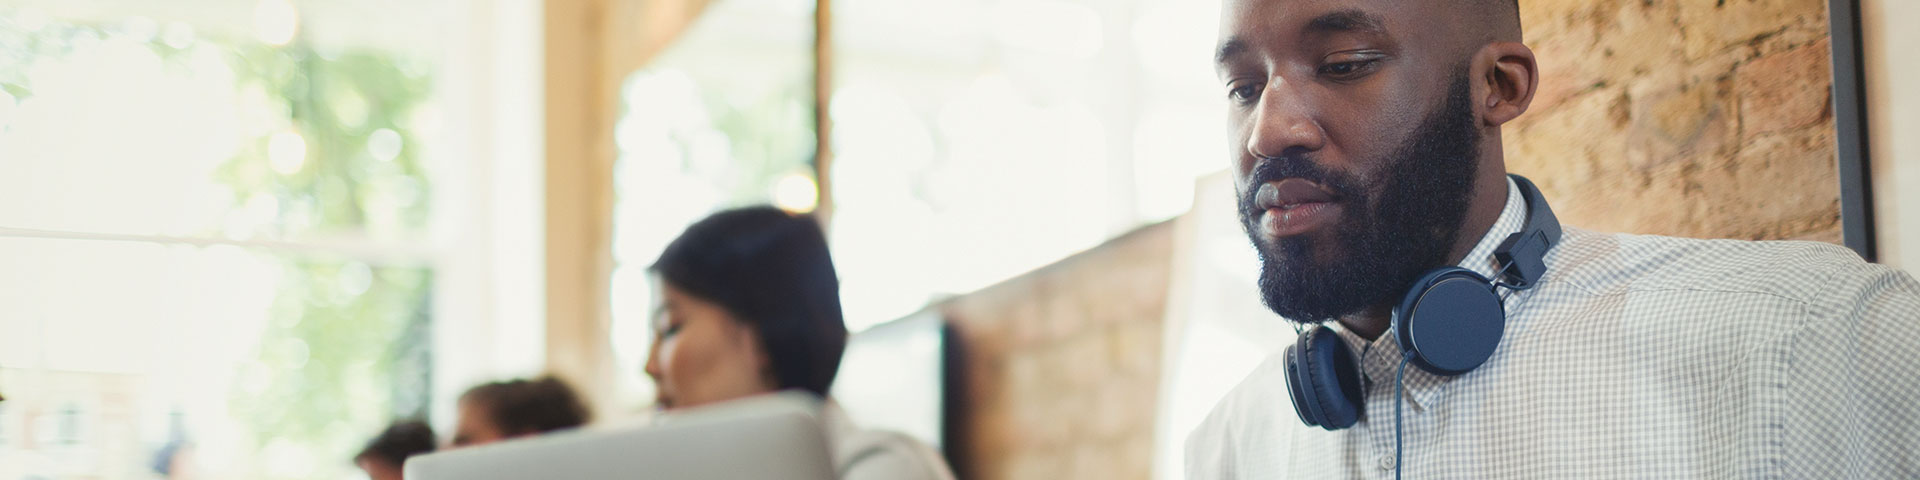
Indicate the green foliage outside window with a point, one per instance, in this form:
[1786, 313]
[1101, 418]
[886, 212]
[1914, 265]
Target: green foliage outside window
[345, 347]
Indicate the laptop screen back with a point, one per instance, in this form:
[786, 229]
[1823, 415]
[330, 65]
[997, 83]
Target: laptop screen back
[773, 437]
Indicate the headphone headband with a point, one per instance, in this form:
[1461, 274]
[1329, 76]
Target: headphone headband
[1522, 256]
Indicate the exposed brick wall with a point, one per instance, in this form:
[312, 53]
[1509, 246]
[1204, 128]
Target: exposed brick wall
[1702, 118]
[1062, 365]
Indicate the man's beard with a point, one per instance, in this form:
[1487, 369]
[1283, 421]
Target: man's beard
[1391, 233]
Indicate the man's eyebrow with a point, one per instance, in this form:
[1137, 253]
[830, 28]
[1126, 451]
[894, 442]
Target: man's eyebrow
[1233, 46]
[1346, 21]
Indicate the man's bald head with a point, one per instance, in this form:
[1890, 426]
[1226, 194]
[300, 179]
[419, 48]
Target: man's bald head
[1458, 27]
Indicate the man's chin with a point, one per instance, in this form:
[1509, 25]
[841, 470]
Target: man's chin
[1315, 288]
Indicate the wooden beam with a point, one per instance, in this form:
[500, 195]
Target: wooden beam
[582, 103]
[822, 99]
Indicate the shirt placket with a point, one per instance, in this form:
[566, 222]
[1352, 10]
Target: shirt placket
[1381, 360]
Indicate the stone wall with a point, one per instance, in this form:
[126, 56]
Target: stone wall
[1061, 365]
[1700, 118]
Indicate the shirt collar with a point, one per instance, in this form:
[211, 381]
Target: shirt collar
[1380, 359]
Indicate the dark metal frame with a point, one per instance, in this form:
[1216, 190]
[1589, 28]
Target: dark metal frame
[1850, 128]
[956, 414]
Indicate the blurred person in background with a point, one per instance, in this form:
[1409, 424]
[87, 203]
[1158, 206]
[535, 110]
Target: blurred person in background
[516, 408]
[751, 306]
[174, 461]
[386, 453]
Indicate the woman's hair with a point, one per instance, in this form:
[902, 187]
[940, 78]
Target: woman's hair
[521, 406]
[402, 439]
[771, 271]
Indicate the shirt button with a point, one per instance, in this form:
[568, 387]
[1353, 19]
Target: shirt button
[1386, 462]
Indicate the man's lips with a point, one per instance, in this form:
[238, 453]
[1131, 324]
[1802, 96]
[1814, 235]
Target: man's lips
[1294, 206]
[1290, 192]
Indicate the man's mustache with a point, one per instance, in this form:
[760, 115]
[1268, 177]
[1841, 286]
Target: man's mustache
[1342, 186]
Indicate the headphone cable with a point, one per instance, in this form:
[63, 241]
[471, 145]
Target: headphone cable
[1399, 381]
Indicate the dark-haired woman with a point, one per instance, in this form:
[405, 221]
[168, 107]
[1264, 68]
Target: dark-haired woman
[751, 305]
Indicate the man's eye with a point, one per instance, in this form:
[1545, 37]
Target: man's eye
[1349, 70]
[1244, 93]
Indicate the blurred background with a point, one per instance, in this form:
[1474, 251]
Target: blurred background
[239, 236]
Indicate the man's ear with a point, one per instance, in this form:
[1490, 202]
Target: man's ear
[1505, 80]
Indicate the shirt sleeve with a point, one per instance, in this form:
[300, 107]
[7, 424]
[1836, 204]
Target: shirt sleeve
[1855, 375]
[1209, 452]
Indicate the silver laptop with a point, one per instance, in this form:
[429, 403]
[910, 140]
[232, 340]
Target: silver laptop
[772, 437]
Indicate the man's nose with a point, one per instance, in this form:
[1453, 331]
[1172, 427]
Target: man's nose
[1284, 123]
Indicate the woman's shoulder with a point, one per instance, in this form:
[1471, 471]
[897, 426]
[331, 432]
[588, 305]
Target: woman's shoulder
[880, 454]
[864, 454]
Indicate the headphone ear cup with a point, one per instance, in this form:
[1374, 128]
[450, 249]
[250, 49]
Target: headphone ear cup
[1450, 322]
[1324, 379]
[1297, 385]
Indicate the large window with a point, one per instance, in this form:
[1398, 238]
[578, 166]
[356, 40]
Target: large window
[215, 237]
[973, 141]
[976, 140]
[723, 118]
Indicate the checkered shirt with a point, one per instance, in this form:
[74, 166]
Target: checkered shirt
[1634, 357]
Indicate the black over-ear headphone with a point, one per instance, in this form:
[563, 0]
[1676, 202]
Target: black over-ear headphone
[1448, 324]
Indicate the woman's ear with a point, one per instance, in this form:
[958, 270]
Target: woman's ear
[749, 341]
[1506, 78]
